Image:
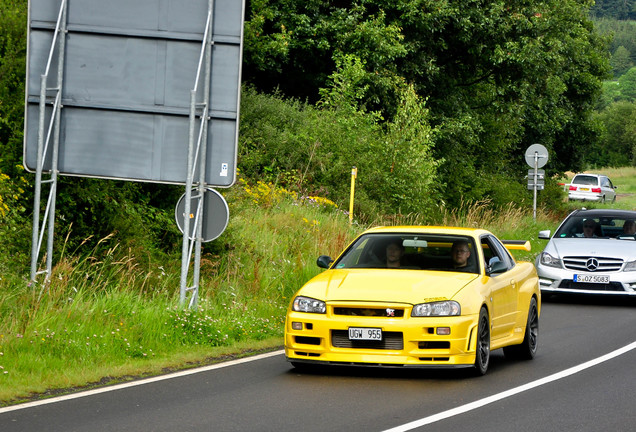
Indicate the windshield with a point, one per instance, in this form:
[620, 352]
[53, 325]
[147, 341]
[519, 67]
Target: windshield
[411, 251]
[597, 227]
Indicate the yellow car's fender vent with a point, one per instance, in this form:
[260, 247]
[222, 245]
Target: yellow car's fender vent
[307, 340]
[390, 341]
[433, 345]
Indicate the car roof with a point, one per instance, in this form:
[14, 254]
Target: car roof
[589, 174]
[427, 230]
[614, 213]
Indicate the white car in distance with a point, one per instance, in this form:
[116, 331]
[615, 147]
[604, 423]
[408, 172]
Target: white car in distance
[591, 187]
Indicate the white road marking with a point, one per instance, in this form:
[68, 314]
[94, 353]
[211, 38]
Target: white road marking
[403, 428]
[140, 382]
[508, 393]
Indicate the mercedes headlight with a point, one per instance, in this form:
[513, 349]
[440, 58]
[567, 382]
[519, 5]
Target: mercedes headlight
[550, 261]
[630, 266]
[310, 305]
[440, 308]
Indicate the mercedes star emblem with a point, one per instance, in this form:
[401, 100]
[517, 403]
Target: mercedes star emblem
[592, 264]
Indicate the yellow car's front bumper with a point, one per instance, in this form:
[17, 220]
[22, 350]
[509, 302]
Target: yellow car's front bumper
[406, 341]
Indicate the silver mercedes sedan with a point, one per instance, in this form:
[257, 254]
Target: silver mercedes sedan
[591, 252]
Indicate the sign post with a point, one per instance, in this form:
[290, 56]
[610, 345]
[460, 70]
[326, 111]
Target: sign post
[536, 157]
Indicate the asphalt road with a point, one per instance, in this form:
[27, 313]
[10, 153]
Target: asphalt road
[569, 386]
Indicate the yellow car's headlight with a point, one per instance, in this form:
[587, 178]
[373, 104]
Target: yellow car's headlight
[308, 304]
[440, 308]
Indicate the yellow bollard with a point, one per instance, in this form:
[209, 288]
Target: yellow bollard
[354, 174]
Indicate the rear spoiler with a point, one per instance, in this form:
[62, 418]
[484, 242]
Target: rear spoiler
[517, 245]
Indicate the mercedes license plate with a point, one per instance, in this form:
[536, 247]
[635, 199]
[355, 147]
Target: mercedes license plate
[601, 279]
[364, 333]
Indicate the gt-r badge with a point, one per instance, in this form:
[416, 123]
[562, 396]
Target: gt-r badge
[390, 312]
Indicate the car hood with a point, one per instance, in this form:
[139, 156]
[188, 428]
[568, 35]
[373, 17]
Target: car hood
[402, 286]
[598, 247]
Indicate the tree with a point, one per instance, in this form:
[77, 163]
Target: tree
[618, 141]
[621, 61]
[621, 33]
[13, 18]
[627, 83]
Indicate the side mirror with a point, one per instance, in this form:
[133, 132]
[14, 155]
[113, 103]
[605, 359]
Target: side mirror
[497, 267]
[324, 261]
[545, 234]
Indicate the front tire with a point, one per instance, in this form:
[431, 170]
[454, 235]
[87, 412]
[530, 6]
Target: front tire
[527, 349]
[482, 350]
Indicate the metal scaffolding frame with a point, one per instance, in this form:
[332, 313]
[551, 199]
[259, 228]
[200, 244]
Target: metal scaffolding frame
[196, 159]
[43, 148]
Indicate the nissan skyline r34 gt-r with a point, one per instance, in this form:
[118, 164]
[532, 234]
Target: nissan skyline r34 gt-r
[417, 296]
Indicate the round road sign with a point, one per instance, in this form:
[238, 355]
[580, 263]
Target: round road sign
[541, 154]
[215, 214]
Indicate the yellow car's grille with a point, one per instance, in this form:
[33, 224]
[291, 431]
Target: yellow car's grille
[390, 341]
[360, 311]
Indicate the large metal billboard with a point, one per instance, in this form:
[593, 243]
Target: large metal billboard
[128, 70]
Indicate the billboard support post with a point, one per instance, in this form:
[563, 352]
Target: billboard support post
[42, 150]
[196, 153]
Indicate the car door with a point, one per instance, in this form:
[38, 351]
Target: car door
[504, 286]
[608, 189]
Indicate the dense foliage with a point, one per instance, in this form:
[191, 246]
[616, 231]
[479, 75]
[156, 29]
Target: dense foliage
[616, 9]
[622, 45]
[313, 150]
[616, 109]
[496, 75]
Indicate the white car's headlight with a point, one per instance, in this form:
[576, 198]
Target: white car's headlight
[310, 305]
[549, 260]
[630, 266]
[441, 308]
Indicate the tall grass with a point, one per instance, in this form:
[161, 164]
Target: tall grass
[109, 314]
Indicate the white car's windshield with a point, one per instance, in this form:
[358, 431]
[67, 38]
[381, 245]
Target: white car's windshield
[597, 227]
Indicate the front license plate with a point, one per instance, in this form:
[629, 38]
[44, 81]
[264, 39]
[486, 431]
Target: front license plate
[364, 333]
[601, 279]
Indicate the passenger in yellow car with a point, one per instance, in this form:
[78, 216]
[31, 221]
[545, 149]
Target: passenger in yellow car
[460, 253]
[394, 252]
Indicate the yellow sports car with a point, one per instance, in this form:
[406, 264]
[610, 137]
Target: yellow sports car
[417, 296]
